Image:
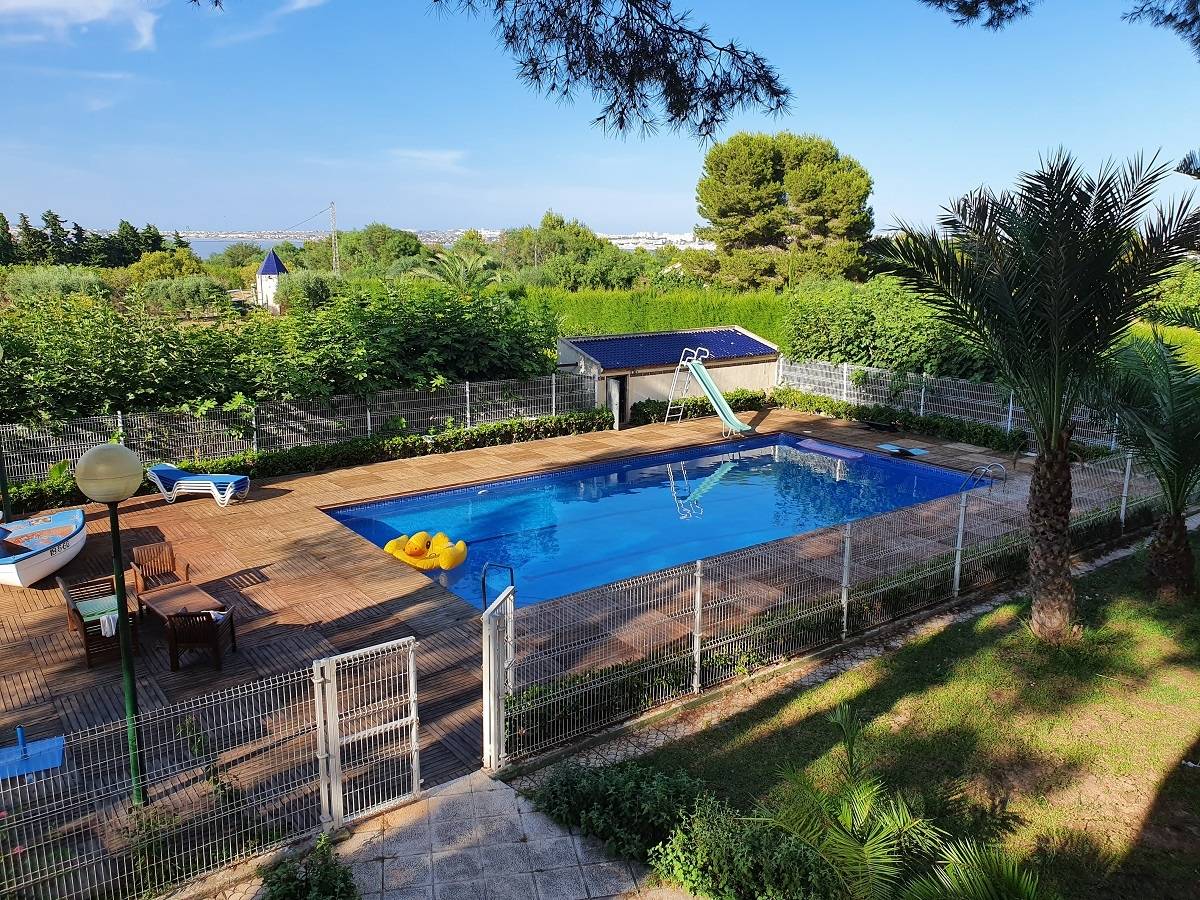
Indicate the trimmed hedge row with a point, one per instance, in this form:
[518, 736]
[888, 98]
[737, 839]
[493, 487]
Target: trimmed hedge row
[645, 412]
[32, 496]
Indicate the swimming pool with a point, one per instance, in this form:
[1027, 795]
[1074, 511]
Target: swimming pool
[588, 525]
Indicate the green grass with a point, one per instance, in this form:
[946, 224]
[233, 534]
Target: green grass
[1184, 338]
[624, 312]
[1071, 756]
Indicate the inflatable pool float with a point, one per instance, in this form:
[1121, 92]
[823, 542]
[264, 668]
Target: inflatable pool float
[424, 552]
[33, 548]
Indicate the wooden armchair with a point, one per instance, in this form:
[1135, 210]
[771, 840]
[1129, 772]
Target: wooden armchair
[84, 599]
[155, 567]
[199, 630]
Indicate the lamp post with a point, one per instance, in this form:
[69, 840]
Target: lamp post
[109, 474]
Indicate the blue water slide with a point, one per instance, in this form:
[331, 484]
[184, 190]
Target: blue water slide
[733, 425]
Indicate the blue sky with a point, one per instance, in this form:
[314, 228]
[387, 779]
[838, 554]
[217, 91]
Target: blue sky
[257, 116]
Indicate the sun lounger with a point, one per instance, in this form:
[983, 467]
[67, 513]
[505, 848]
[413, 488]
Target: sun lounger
[173, 481]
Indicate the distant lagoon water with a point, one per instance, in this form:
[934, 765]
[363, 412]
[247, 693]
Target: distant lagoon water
[206, 248]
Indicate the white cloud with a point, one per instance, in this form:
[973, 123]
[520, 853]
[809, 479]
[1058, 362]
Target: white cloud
[56, 18]
[267, 25]
[430, 160]
[99, 104]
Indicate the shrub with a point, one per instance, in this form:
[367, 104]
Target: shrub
[319, 876]
[193, 296]
[59, 490]
[49, 284]
[630, 807]
[717, 854]
[878, 323]
[306, 289]
[645, 412]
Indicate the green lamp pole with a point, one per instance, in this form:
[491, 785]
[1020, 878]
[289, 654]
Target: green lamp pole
[109, 474]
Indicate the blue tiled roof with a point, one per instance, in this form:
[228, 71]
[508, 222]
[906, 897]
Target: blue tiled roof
[272, 265]
[640, 351]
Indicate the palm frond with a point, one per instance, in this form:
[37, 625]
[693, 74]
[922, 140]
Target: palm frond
[1190, 165]
[1047, 278]
[1156, 395]
[971, 871]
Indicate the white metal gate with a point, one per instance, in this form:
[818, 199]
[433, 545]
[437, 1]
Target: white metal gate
[366, 706]
[497, 676]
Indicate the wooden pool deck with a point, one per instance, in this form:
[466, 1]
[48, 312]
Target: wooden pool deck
[303, 586]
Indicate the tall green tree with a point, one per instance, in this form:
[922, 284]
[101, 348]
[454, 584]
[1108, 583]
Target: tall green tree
[152, 239]
[125, 244]
[77, 244]
[741, 194]
[783, 191]
[179, 242]
[33, 247]
[58, 249]
[1157, 398]
[8, 246]
[1046, 280]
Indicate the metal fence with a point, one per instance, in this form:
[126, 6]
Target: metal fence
[226, 776]
[568, 667]
[279, 425]
[989, 404]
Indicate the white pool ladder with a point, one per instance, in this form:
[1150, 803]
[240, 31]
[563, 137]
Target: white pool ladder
[680, 390]
[990, 472]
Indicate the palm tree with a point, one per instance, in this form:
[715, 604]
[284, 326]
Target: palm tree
[878, 849]
[1190, 165]
[1046, 279]
[1157, 397]
[466, 274]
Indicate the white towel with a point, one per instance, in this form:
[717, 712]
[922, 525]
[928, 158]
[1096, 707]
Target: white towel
[108, 624]
[217, 617]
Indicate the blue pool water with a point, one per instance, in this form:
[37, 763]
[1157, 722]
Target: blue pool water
[577, 528]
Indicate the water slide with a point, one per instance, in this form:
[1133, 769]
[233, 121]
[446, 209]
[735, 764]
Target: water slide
[733, 425]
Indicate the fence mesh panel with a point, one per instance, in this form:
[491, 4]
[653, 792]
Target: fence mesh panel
[626, 647]
[598, 657]
[280, 425]
[226, 776]
[30, 452]
[989, 404]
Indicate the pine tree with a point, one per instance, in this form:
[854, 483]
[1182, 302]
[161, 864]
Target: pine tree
[8, 247]
[180, 242]
[56, 238]
[33, 248]
[125, 245]
[152, 239]
[77, 245]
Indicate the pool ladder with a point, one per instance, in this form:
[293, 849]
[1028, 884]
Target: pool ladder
[990, 472]
[675, 398]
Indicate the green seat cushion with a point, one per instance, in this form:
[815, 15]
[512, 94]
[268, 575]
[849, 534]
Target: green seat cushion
[91, 610]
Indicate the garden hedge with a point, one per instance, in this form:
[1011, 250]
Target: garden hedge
[31, 496]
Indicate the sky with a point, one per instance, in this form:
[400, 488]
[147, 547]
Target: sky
[256, 116]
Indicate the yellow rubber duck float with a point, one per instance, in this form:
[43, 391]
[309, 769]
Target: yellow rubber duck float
[424, 552]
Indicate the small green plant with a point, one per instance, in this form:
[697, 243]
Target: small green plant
[320, 875]
[630, 807]
[716, 853]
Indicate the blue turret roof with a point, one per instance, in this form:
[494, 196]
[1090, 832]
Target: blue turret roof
[272, 265]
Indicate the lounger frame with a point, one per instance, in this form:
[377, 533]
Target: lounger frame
[197, 484]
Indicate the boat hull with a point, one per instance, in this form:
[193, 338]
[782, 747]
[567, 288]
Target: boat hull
[25, 569]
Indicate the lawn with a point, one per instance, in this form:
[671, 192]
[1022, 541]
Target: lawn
[1185, 339]
[1071, 757]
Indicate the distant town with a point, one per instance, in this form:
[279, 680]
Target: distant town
[647, 240]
